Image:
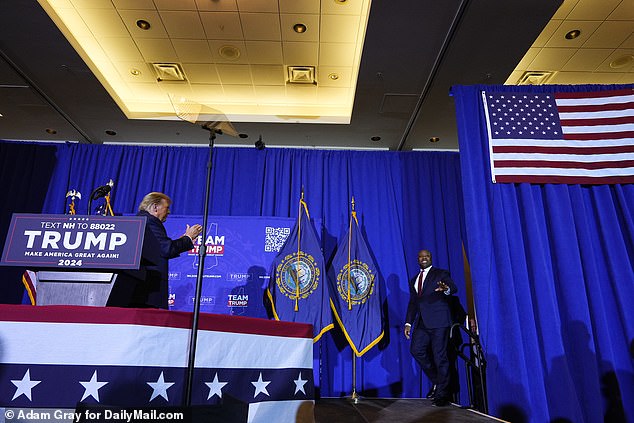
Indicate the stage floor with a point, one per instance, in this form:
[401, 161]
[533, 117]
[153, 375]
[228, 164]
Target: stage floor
[389, 410]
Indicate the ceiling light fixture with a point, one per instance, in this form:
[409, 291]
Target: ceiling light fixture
[51, 131]
[143, 24]
[300, 28]
[111, 132]
[621, 62]
[434, 139]
[571, 35]
[243, 135]
[135, 72]
[229, 52]
[333, 76]
[375, 138]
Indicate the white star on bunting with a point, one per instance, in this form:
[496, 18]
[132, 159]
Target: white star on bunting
[92, 387]
[160, 387]
[25, 385]
[215, 387]
[260, 386]
[299, 384]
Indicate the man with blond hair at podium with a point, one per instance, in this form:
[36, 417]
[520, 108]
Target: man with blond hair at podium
[155, 206]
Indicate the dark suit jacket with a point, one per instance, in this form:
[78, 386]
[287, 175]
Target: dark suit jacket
[433, 307]
[154, 292]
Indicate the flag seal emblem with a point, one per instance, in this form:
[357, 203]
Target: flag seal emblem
[294, 271]
[361, 279]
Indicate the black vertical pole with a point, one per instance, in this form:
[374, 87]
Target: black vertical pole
[202, 251]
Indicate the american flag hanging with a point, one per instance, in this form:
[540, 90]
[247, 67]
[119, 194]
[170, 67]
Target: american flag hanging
[561, 137]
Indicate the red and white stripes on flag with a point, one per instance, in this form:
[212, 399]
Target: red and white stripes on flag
[561, 137]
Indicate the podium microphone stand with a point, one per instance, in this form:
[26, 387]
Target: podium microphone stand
[212, 127]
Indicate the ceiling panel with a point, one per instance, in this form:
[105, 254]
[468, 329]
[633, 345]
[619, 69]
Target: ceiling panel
[587, 60]
[264, 6]
[182, 24]
[610, 34]
[222, 25]
[261, 26]
[593, 10]
[192, 51]
[264, 52]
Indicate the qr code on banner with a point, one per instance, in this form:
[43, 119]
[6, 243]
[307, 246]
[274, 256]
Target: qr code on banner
[275, 238]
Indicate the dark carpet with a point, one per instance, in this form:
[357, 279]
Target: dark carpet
[366, 410]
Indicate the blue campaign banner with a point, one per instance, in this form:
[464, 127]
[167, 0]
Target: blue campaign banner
[240, 251]
[72, 241]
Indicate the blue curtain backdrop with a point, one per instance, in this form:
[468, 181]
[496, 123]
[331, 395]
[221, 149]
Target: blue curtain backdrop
[25, 170]
[553, 277]
[405, 202]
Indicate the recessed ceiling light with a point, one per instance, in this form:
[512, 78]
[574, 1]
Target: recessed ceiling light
[51, 131]
[571, 35]
[299, 28]
[622, 61]
[375, 138]
[243, 135]
[229, 52]
[333, 76]
[111, 132]
[143, 24]
[135, 72]
[434, 139]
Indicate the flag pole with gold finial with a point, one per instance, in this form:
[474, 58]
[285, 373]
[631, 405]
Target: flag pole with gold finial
[354, 396]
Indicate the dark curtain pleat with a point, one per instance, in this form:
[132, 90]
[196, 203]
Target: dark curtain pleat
[25, 171]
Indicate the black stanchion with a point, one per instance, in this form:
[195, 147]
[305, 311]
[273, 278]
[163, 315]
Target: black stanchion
[202, 252]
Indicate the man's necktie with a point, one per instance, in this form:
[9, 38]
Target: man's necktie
[420, 283]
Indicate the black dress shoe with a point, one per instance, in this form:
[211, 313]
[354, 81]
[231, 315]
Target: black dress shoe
[432, 392]
[440, 402]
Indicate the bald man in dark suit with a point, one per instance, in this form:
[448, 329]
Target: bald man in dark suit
[428, 321]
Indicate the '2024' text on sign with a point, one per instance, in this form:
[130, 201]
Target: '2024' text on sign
[74, 241]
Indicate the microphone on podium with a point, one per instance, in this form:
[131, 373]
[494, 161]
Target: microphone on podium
[101, 191]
